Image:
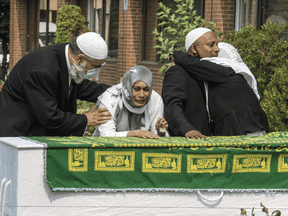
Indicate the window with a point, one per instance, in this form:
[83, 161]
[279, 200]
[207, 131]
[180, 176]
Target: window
[242, 14]
[103, 17]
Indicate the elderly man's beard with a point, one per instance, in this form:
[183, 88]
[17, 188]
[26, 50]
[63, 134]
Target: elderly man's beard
[77, 73]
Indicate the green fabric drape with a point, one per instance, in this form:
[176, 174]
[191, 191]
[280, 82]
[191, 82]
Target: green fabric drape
[174, 163]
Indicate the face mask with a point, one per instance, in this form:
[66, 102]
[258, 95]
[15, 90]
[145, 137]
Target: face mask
[94, 73]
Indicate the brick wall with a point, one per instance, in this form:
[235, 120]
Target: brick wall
[60, 3]
[17, 10]
[21, 41]
[220, 12]
[149, 58]
[83, 5]
[131, 34]
[151, 24]
[109, 73]
[130, 42]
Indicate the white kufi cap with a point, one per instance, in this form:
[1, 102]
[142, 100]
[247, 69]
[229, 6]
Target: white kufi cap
[193, 35]
[92, 45]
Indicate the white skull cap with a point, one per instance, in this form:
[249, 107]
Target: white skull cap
[92, 45]
[193, 35]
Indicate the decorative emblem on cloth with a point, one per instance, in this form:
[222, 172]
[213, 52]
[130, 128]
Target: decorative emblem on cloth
[209, 163]
[114, 160]
[161, 163]
[78, 159]
[251, 163]
[283, 163]
[235, 163]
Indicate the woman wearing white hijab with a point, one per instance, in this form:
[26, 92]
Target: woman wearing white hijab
[134, 106]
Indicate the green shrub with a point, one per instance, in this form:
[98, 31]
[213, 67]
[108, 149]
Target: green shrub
[174, 26]
[262, 50]
[70, 23]
[275, 100]
[265, 52]
[83, 107]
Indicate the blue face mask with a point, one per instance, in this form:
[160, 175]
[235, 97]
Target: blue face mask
[94, 73]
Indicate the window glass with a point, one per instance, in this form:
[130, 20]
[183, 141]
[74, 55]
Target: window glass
[275, 11]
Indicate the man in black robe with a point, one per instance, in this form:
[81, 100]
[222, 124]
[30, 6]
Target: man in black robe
[233, 106]
[39, 96]
[184, 99]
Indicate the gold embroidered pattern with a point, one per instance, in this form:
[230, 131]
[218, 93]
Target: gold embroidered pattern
[209, 163]
[114, 161]
[283, 163]
[161, 163]
[251, 163]
[78, 159]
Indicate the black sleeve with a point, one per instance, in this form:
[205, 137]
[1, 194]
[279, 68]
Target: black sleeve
[202, 70]
[90, 91]
[175, 93]
[40, 89]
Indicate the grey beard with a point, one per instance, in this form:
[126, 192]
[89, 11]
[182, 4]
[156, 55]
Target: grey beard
[77, 76]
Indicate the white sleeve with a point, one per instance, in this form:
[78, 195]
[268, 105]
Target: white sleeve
[159, 114]
[109, 129]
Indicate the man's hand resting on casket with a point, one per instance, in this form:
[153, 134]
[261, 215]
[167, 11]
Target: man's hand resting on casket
[97, 116]
[194, 134]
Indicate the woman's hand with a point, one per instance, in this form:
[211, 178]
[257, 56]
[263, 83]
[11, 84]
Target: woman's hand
[160, 125]
[142, 134]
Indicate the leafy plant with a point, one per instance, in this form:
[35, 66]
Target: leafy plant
[1, 84]
[275, 102]
[174, 26]
[83, 107]
[264, 209]
[262, 50]
[70, 23]
[265, 52]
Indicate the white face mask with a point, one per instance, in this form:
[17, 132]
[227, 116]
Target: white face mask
[94, 73]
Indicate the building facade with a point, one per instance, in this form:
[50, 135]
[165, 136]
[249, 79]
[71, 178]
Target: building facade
[127, 27]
